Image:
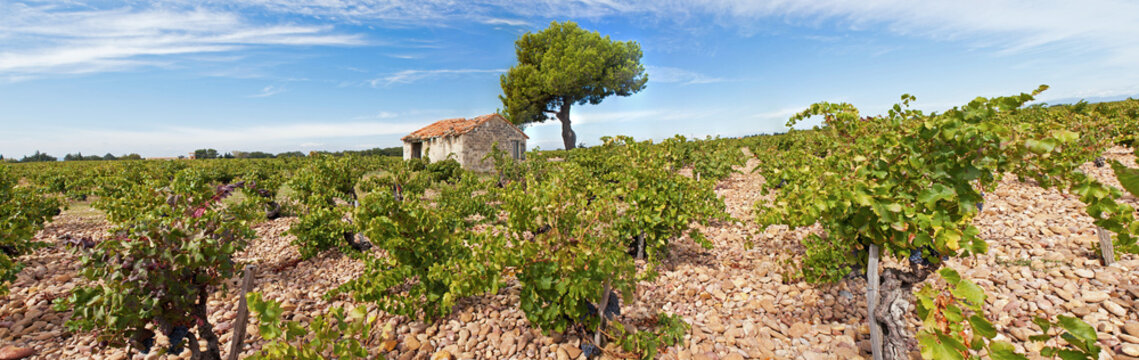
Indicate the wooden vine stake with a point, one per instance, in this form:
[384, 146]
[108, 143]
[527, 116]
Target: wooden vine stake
[601, 311]
[872, 302]
[1106, 248]
[238, 338]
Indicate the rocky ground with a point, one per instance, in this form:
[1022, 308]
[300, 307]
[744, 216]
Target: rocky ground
[1040, 263]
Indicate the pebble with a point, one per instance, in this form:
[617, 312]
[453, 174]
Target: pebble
[1114, 308]
[1095, 296]
[572, 351]
[14, 353]
[797, 330]
[1085, 273]
[1130, 350]
[389, 345]
[442, 355]
[1131, 328]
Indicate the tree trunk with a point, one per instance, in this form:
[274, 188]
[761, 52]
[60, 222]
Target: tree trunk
[568, 136]
[895, 308]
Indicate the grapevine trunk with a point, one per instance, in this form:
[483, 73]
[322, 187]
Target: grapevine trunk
[213, 349]
[895, 308]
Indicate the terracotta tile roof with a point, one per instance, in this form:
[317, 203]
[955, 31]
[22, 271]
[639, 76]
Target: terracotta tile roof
[455, 127]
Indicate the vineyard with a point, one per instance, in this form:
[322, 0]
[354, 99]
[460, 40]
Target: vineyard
[996, 229]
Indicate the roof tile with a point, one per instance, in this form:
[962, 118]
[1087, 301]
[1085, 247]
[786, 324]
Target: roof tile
[454, 127]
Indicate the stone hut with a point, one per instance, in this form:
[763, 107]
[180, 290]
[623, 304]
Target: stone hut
[467, 140]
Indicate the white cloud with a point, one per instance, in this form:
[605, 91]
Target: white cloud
[52, 39]
[508, 22]
[269, 91]
[411, 76]
[664, 74]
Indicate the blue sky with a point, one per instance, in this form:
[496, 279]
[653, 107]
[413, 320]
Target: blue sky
[165, 77]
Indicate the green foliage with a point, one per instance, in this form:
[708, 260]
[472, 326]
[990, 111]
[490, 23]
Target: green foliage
[1128, 177]
[954, 326]
[339, 334]
[320, 229]
[670, 330]
[467, 199]
[171, 245]
[23, 212]
[565, 65]
[553, 223]
[444, 170]
[660, 204]
[911, 182]
[431, 260]
[325, 186]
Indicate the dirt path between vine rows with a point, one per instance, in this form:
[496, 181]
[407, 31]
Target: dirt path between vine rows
[1040, 263]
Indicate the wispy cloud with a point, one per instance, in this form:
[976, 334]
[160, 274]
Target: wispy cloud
[411, 76]
[382, 115]
[1090, 25]
[424, 116]
[664, 74]
[76, 39]
[269, 91]
[53, 39]
[508, 22]
[405, 56]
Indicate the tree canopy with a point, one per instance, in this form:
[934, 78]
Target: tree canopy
[38, 157]
[205, 154]
[565, 65]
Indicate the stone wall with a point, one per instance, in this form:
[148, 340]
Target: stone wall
[440, 148]
[478, 142]
[437, 149]
[406, 150]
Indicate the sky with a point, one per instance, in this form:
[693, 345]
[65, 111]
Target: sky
[166, 77]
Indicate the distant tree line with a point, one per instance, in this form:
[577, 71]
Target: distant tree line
[207, 154]
[80, 157]
[45, 157]
[38, 157]
[213, 153]
[392, 151]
